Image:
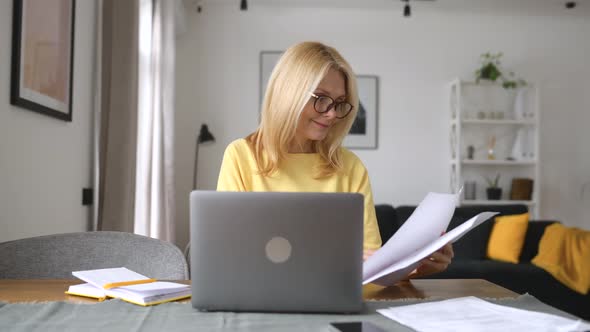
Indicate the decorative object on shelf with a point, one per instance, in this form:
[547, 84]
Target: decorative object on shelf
[530, 143]
[517, 152]
[470, 190]
[521, 189]
[203, 137]
[481, 115]
[470, 152]
[493, 191]
[519, 105]
[491, 147]
[491, 70]
[43, 57]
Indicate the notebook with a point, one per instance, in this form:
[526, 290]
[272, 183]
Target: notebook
[276, 252]
[127, 285]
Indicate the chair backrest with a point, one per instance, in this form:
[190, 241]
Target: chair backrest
[56, 256]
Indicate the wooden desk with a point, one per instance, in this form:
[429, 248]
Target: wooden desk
[53, 290]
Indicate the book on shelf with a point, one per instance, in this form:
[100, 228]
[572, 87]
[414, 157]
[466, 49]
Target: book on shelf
[418, 238]
[124, 284]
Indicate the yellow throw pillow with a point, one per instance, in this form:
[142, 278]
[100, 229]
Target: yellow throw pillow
[507, 237]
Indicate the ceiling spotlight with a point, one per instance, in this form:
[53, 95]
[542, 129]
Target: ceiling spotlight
[407, 10]
[244, 5]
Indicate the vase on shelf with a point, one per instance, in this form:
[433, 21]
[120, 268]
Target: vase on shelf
[491, 147]
[519, 104]
[469, 190]
[494, 193]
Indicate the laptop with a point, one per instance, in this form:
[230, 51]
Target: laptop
[276, 252]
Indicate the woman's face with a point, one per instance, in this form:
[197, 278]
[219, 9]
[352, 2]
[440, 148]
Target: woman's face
[314, 126]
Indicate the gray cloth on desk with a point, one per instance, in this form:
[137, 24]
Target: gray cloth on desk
[115, 315]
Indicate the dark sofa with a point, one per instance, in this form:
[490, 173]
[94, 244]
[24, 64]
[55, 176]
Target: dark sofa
[470, 261]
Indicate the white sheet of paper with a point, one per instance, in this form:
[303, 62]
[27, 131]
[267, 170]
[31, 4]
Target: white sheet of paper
[153, 288]
[410, 262]
[430, 218]
[87, 290]
[468, 314]
[101, 277]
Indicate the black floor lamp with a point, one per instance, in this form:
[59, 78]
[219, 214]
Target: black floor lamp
[204, 137]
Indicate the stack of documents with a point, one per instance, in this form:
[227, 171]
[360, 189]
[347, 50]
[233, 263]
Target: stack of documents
[473, 314]
[124, 284]
[417, 239]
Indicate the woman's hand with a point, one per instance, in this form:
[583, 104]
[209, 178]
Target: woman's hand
[367, 253]
[437, 262]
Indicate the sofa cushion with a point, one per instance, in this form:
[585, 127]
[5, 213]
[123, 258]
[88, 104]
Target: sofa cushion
[387, 221]
[507, 237]
[533, 236]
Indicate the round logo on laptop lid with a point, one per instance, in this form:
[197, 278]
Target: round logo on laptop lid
[278, 249]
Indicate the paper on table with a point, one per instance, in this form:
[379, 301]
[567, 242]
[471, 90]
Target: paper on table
[401, 268]
[151, 289]
[473, 314]
[152, 292]
[429, 220]
[102, 277]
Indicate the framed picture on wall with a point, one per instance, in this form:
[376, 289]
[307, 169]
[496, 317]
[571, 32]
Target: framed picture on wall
[363, 134]
[42, 56]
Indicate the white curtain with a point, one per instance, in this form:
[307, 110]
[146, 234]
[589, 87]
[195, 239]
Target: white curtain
[154, 187]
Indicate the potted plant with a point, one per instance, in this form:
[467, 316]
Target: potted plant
[493, 191]
[491, 70]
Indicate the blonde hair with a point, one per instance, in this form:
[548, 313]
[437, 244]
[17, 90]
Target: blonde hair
[299, 71]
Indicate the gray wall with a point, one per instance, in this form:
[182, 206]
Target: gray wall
[218, 84]
[45, 162]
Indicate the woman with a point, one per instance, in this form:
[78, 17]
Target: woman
[310, 104]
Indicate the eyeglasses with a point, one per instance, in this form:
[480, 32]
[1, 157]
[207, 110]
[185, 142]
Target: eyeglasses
[323, 104]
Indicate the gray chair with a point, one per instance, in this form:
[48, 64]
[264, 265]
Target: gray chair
[56, 256]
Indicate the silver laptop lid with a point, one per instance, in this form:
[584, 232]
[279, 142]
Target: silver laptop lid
[263, 251]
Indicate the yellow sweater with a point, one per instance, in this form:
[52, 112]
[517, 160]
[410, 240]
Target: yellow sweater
[239, 172]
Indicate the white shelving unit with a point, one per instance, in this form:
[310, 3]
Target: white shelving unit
[485, 113]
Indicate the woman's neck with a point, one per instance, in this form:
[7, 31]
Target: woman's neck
[301, 147]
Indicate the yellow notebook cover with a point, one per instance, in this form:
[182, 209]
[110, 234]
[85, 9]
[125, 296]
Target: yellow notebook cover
[128, 286]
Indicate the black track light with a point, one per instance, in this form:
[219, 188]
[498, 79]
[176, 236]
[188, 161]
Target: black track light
[244, 5]
[407, 10]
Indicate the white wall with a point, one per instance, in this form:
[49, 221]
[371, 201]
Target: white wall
[45, 162]
[218, 84]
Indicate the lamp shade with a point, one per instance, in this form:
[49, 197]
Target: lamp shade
[205, 135]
